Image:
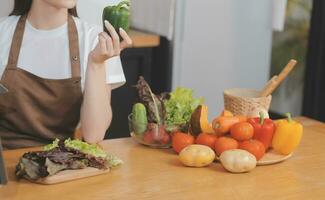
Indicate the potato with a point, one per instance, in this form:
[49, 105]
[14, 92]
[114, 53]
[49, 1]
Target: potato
[197, 155]
[238, 160]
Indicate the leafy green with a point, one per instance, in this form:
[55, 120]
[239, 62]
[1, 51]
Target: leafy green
[94, 150]
[63, 155]
[84, 147]
[154, 103]
[51, 146]
[113, 161]
[180, 106]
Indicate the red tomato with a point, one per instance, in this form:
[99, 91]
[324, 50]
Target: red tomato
[225, 143]
[206, 139]
[242, 131]
[165, 139]
[148, 137]
[254, 147]
[181, 140]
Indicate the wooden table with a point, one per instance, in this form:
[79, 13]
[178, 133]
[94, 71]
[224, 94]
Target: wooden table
[157, 174]
[142, 39]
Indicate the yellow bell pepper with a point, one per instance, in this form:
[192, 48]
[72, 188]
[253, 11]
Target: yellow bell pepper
[287, 135]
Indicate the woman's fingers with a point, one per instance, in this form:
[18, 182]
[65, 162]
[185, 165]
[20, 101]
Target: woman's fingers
[103, 44]
[127, 41]
[115, 37]
[99, 53]
[109, 45]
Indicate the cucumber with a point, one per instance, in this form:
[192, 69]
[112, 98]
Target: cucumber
[139, 118]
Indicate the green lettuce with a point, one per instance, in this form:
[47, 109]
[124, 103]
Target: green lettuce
[180, 106]
[84, 147]
[51, 146]
[79, 145]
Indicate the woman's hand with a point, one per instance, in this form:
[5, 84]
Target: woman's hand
[109, 46]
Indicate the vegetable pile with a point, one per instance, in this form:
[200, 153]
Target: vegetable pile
[239, 141]
[63, 155]
[180, 120]
[155, 117]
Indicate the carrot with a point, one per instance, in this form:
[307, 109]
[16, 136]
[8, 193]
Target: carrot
[222, 125]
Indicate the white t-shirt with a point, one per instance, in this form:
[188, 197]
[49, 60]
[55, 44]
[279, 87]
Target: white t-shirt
[45, 53]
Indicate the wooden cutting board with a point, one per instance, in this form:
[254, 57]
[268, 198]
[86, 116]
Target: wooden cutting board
[69, 175]
[270, 157]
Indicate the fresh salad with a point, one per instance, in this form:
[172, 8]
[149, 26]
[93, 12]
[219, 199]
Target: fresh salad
[62, 155]
[180, 106]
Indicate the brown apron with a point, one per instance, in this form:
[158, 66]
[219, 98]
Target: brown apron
[35, 111]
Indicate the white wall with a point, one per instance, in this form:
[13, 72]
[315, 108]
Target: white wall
[5, 7]
[222, 44]
[92, 11]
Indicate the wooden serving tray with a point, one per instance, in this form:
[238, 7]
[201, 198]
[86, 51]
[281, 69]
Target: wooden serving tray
[270, 157]
[69, 175]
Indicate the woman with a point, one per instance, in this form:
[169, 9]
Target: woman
[59, 71]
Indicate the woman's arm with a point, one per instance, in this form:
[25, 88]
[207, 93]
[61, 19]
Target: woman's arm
[96, 111]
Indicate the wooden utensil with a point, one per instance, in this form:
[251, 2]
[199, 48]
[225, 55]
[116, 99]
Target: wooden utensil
[276, 80]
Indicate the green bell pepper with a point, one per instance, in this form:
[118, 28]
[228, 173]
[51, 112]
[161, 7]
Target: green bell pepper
[118, 15]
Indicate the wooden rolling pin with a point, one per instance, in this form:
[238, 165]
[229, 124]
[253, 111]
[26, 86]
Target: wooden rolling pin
[276, 80]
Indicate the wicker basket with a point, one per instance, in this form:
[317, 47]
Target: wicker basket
[241, 101]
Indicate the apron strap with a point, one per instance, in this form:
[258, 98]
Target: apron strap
[73, 45]
[16, 41]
